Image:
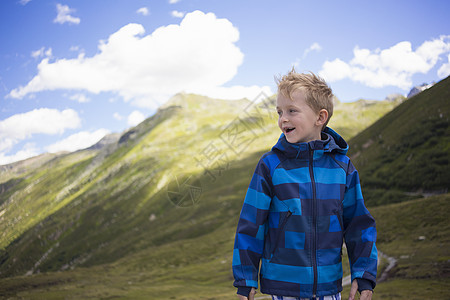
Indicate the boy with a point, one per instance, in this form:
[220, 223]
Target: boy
[303, 200]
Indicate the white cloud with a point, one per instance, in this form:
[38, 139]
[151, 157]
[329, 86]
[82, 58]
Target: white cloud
[197, 55]
[77, 141]
[394, 66]
[314, 47]
[24, 2]
[44, 120]
[444, 70]
[135, 118]
[41, 53]
[29, 150]
[143, 11]
[37, 53]
[64, 15]
[74, 48]
[118, 116]
[177, 14]
[81, 98]
[173, 1]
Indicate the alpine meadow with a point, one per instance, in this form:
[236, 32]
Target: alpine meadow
[151, 213]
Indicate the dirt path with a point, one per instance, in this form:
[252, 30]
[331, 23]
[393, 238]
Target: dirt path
[391, 263]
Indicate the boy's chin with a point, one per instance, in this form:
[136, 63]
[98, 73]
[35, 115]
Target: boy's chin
[292, 140]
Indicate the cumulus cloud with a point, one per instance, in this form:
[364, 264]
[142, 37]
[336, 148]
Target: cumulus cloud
[29, 150]
[444, 70]
[198, 55]
[177, 14]
[394, 66]
[77, 141]
[143, 11]
[64, 16]
[44, 121]
[81, 98]
[135, 118]
[173, 1]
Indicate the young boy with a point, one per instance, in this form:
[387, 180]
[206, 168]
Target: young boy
[303, 200]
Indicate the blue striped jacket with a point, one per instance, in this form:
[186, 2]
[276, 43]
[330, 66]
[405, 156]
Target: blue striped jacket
[303, 200]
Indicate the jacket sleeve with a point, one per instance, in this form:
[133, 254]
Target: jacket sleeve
[359, 231]
[251, 229]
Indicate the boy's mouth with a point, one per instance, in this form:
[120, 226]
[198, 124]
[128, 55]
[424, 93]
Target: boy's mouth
[289, 129]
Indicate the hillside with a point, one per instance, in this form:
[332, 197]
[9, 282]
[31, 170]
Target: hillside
[406, 153]
[350, 118]
[151, 213]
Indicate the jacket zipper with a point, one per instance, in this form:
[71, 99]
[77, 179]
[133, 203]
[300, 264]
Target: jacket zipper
[311, 173]
[288, 214]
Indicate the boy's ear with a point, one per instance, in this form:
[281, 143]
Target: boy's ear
[322, 117]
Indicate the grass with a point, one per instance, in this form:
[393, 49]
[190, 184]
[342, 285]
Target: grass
[423, 266]
[199, 267]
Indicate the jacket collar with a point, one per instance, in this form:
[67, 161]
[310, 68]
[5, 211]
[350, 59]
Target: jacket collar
[330, 142]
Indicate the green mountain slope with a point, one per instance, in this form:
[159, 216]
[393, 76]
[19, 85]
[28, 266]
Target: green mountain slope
[350, 118]
[406, 153]
[159, 206]
[95, 206]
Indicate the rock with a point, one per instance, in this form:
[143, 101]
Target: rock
[417, 89]
[394, 96]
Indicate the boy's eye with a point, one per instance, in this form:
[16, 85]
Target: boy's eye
[292, 110]
[279, 112]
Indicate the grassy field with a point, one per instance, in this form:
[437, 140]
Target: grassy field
[200, 268]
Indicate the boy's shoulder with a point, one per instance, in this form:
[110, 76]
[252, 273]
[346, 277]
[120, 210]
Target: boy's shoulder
[271, 160]
[342, 160]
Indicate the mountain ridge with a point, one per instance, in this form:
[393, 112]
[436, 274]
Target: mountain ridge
[413, 136]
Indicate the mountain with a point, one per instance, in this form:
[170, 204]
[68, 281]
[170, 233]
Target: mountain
[147, 214]
[419, 88]
[406, 153]
[79, 208]
[350, 118]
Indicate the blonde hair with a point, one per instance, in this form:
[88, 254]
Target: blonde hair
[317, 92]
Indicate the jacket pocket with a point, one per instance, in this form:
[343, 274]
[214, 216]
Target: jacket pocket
[341, 223]
[283, 225]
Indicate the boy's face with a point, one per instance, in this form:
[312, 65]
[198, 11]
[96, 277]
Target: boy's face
[297, 120]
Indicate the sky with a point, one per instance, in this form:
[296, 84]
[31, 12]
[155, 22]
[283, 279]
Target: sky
[73, 71]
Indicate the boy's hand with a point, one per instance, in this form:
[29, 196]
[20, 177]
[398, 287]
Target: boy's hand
[365, 295]
[251, 296]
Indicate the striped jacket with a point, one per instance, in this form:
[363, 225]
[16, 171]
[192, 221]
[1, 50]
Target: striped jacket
[303, 200]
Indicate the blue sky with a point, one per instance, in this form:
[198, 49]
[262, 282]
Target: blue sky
[73, 71]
